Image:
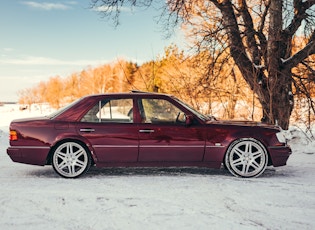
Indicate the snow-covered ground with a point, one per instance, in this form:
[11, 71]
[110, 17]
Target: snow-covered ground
[34, 197]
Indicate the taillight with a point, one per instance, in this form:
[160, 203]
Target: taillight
[13, 135]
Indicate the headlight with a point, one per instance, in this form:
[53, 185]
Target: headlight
[281, 138]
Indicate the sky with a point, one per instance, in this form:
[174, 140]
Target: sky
[42, 39]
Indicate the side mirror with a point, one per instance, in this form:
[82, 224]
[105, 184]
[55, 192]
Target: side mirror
[189, 120]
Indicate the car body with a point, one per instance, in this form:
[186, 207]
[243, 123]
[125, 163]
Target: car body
[140, 129]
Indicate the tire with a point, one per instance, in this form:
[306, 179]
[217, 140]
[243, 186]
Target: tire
[246, 158]
[71, 159]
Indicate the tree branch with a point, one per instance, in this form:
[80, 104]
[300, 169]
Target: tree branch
[300, 14]
[249, 32]
[261, 36]
[311, 70]
[112, 8]
[302, 54]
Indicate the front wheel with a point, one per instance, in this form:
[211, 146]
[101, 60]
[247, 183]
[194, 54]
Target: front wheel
[71, 159]
[246, 158]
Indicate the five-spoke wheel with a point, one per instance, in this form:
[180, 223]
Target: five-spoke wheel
[246, 158]
[71, 159]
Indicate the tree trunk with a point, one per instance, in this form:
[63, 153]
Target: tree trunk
[280, 105]
[278, 108]
[274, 90]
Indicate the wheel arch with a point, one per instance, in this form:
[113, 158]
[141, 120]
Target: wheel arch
[84, 144]
[255, 139]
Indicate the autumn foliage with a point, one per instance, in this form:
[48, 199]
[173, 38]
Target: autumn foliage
[224, 93]
[220, 91]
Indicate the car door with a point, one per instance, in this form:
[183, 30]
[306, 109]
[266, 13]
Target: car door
[109, 128]
[164, 135]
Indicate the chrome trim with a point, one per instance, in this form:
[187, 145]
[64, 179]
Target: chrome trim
[167, 146]
[115, 146]
[87, 130]
[29, 147]
[146, 131]
[148, 146]
[278, 147]
[215, 146]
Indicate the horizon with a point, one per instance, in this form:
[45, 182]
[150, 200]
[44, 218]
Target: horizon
[46, 39]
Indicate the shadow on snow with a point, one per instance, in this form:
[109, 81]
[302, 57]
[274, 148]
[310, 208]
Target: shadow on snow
[48, 172]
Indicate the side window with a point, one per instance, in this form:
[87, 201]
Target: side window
[160, 111]
[110, 110]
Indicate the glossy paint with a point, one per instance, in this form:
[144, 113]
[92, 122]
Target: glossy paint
[197, 143]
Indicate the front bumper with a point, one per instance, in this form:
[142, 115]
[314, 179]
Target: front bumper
[279, 155]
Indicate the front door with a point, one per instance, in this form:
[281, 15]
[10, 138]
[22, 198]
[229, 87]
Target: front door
[164, 136]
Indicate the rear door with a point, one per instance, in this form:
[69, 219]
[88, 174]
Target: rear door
[109, 127]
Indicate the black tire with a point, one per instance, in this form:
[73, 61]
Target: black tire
[246, 157]
[71, 159]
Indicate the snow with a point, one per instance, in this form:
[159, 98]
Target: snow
[34, 197]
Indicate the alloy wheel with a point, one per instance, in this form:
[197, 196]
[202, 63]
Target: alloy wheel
[246, 158]
[71, 159]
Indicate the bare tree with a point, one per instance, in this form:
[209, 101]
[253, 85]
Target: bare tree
[258, 35]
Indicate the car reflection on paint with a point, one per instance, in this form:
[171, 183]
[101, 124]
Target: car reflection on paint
[140, 129]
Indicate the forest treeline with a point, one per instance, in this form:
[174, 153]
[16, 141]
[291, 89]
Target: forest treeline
[185, 76]
[217, 89]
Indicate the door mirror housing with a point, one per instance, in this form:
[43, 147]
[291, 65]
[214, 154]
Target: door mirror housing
[189, 120]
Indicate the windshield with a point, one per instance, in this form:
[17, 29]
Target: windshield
[61, 110]
[192, 110]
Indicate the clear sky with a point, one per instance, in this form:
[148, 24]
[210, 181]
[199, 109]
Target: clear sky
[42, 39]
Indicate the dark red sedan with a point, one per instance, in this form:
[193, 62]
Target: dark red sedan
[141, 129]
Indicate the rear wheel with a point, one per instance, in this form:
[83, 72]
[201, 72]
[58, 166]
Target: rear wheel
[71, 159]
[246, 158]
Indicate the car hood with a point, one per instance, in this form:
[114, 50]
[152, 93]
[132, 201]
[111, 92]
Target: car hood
[243, 123]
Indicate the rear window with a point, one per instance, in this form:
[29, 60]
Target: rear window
[63, 109]
[110, 111]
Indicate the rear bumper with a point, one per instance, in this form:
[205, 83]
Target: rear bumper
[279, 155]
[28, 154]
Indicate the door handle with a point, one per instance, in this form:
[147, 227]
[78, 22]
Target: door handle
[146, 131]
[87, 130]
